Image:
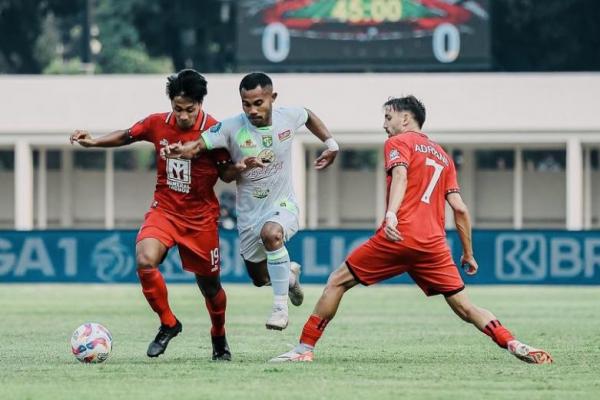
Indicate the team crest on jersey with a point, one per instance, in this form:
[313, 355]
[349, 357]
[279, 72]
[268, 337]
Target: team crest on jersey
[394, 154]
[215, 128]
[285, 135]
[267, 140]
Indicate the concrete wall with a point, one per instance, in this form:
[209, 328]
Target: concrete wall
[458, 102]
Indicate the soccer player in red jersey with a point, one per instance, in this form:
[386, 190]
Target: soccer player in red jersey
[184, 211]
[412, 239]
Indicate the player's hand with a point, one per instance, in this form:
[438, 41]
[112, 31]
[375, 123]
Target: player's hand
[249, 163]
[468, 264]
[83, 138]
[391, 232]
[176, 150]
[325, 159]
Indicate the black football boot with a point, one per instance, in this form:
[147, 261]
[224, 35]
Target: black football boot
[220, 349]
[162, 339]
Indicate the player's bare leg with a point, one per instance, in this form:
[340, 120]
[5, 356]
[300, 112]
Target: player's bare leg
[149, 254]
[258, 273]
[339, 282]
[216, 304]
[487, 323]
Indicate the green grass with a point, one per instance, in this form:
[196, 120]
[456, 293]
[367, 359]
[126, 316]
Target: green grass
[387, 342]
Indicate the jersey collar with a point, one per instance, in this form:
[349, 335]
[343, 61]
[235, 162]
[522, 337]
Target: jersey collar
[198, 126]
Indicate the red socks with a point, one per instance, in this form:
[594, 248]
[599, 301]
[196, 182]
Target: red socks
[313, 329]
[155, 291]
[498, 333]
[216, 309]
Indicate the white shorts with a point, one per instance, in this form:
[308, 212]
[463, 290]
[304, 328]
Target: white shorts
[251, 245]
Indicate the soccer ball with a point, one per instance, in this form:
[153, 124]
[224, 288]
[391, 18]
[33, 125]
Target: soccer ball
[91, 343]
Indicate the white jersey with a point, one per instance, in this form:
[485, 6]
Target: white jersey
[261, 191]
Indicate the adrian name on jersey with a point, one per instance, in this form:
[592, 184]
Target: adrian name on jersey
[421, 148]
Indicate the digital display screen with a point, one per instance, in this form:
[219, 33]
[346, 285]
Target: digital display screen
[379, 35]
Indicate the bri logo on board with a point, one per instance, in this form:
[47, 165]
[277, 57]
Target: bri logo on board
[534, 257]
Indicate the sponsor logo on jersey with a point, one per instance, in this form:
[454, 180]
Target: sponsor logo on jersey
[266, 156]
[256, 174]
[179, 175]
[260, 192]
[288, 206]
[248, 144]
[285, 135]
[394, 154]
[267, 140]
[216, 127]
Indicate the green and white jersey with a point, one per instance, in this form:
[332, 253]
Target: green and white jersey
[261, 191]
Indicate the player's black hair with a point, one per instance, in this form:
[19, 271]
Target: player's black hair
[187, 83]
[410, 104]
[254, 80]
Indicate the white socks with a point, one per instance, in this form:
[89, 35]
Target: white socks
[278, 264]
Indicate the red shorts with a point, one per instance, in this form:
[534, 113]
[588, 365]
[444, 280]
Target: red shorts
[378, 259]
[199, 250]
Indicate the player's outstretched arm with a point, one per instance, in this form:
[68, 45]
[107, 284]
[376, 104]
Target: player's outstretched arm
[318, 128]
[462, 220]
[187, 150]
[231, 172]
[397, 191]
[113, 139]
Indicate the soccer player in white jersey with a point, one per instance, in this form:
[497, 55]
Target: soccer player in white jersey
[267, 208]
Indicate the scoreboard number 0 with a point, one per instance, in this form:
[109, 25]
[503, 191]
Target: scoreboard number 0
[276, 42]
[446, 43]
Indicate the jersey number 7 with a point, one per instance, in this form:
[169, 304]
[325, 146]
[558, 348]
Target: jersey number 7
[434, 179]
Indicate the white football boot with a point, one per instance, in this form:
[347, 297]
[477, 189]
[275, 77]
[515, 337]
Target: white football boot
[294, 356]
[529, 354]
[278, 319]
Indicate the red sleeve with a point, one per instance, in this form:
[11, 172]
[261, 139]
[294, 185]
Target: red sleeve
[397, 151]
[451, 180]
[141, 130]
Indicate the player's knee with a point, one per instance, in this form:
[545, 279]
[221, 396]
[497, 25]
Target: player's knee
[209, 291]
[272, 238]
[145, 261]
[333, 286]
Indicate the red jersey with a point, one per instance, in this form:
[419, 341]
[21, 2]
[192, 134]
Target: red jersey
[184, 188]
[431, 176]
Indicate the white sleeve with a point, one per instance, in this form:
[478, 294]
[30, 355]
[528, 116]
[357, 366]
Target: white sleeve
[216, 137]
[298, 115]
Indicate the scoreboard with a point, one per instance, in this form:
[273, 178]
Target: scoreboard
[363, 35]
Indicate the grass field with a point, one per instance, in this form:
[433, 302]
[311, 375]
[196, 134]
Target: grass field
[387, 342]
